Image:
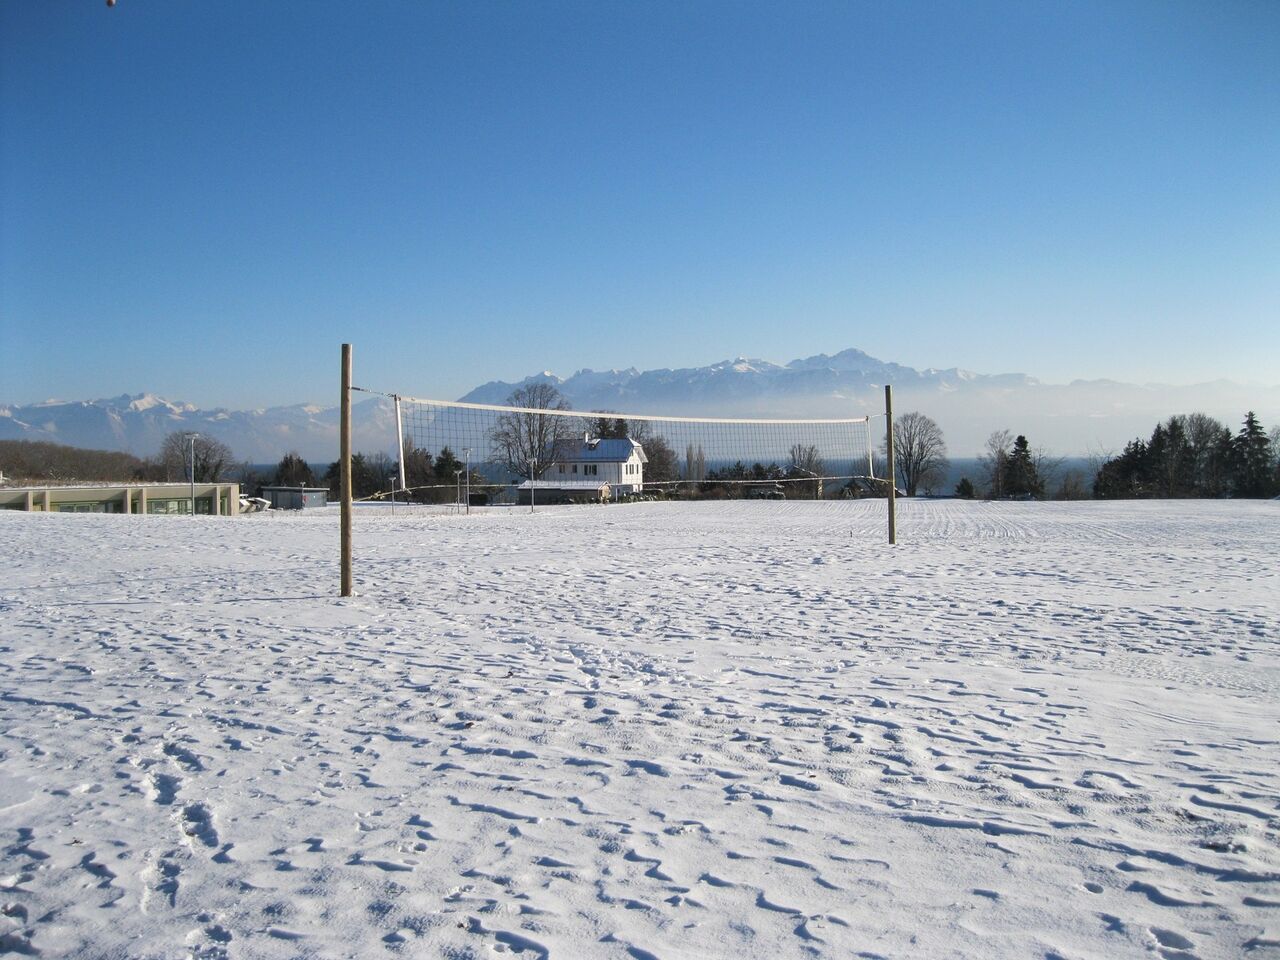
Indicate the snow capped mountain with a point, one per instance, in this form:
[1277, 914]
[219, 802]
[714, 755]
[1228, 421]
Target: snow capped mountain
[821, 385]
[1072, 418]
[139, 423]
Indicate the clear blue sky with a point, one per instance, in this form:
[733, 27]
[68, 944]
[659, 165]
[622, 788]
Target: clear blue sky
[203, 199]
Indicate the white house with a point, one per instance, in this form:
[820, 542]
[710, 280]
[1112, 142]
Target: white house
[619, 463]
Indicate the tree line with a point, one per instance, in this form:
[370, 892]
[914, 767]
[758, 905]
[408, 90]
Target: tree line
[1194, 456]
[37, 461]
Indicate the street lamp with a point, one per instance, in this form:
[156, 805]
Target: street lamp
[533, 480]
[457, 488]
[467, 453]
[192, 438]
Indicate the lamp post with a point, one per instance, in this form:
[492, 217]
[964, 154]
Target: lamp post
[457, 487]
[467, 453]
[192, 438]
[533, 480]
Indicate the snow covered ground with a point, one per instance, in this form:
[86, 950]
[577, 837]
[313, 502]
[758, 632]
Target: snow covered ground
[658, 730]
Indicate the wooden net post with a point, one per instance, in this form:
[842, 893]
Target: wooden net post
[344, 470]
[893, 481]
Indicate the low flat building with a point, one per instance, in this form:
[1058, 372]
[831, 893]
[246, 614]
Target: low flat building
[295, 498]
[562, 491]
[214, 499]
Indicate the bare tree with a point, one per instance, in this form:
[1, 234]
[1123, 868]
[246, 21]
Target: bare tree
[1096, 458]
[919, 451]
[805, 461]
[212, 458]
[529, 442]
[1209, 439]
[38, 461]
[382, 471]
[1046, 466]
[695, 463]
[1072, 487]
[995, 462]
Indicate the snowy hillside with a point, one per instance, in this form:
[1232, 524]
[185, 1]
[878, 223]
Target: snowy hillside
[1030, 730]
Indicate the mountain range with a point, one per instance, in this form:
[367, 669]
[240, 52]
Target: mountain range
[1075, 418]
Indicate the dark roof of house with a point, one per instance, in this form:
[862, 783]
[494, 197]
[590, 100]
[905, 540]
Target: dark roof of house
[600, 451]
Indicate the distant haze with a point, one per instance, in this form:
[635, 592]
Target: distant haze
[1072, 419]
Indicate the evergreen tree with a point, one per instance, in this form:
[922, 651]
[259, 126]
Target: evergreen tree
[1223, 464]
[1170, 460]
[1126, 476]
[364, 483]
[419, 471]
[663, 466]
[1275, 457]
[293, 471]
[605, 427]
[1022, 479]
[1253, 462]
[964, 489]
[448, 466]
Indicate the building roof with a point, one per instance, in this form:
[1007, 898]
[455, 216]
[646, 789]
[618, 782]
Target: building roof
[599, 451]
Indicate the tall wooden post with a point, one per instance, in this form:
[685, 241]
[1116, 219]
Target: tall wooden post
[344, 471]
[893, 477]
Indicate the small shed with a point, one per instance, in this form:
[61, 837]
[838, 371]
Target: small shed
[295, 498]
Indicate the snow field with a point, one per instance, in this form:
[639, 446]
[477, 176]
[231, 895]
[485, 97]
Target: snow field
[655, 730]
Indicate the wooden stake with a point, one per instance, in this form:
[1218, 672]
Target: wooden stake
[344, 470]
[893, 481]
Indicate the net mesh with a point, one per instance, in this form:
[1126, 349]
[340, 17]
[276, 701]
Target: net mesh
[460, 453]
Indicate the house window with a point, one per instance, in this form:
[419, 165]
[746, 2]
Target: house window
[562, 468]
[575, 468]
